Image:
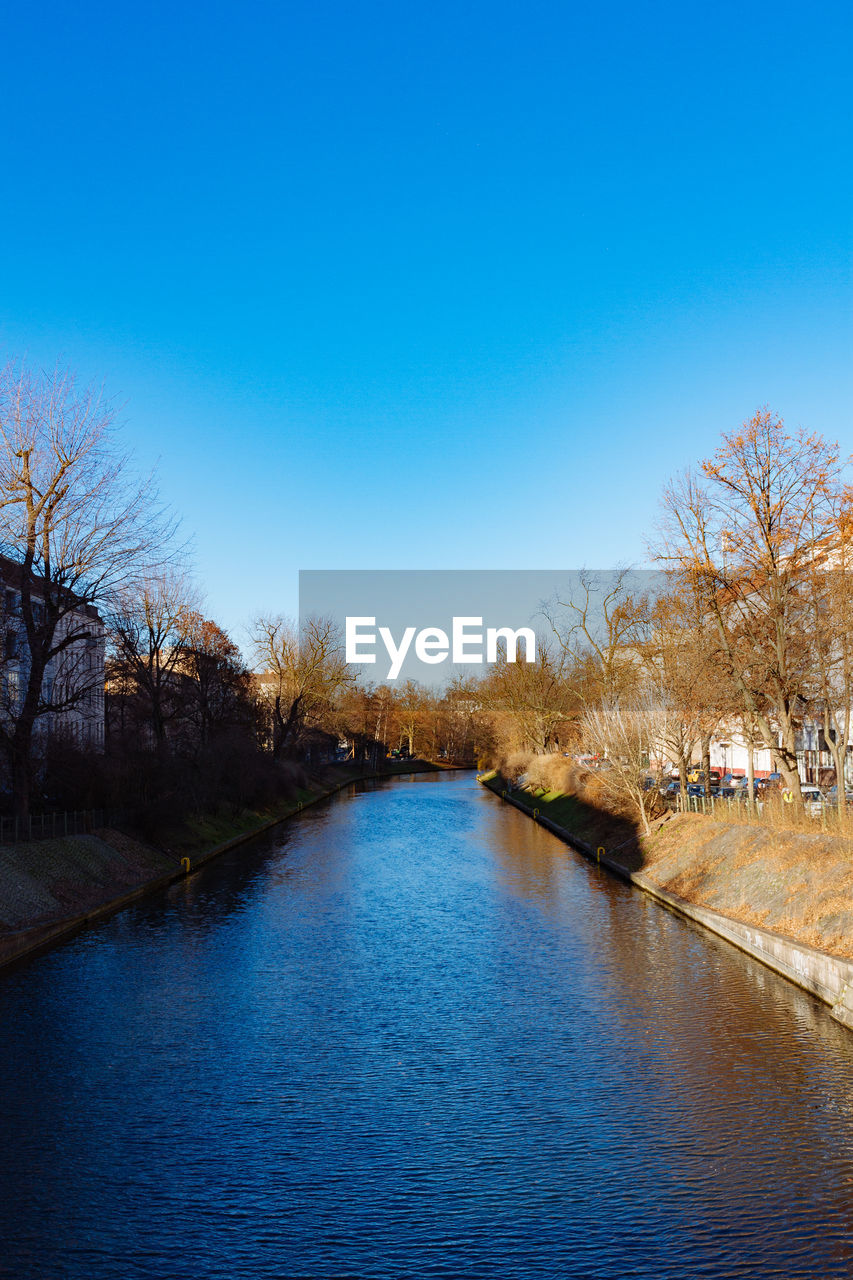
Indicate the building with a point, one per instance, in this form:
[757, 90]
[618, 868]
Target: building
[72, 695]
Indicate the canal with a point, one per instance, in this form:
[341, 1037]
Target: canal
[412, 1034]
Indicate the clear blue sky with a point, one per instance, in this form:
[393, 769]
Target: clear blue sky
[444, 286]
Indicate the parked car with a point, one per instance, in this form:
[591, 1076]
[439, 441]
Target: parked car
[697, 774]
[670, 791]
[814, 801]
[831, 797]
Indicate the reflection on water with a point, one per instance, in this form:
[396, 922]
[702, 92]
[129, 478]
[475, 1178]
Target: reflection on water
[414, 1035]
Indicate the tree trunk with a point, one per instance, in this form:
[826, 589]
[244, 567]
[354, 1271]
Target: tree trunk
[836, 750]
[22, 771]
[786, 758]
[640, 802]
[792, 785]
[284, 727]
[750, 774]
[158, 724]
[22, 740]
[706, 763]
[277, 729]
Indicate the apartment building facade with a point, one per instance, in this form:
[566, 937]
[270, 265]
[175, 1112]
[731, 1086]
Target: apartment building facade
[72, 693]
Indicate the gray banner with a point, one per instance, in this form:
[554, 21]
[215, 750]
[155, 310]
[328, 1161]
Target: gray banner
[435, 625]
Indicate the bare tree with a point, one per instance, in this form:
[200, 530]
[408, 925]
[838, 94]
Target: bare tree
[78, 525]
[308, 670]
[412, 705]
[680, 656]
[151, 626]
[625, 730]
[597, 628]
[361, 716]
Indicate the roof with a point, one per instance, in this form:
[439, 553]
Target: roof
[12, 573]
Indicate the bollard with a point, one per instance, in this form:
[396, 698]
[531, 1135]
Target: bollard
[185, 863]
[535, 815]
[599, 851]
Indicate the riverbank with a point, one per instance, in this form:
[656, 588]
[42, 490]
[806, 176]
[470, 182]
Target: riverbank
[786, 898]
[50, 889]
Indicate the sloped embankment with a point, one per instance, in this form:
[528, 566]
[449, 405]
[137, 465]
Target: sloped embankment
[51, 888]
[48, 887]
[797, 884]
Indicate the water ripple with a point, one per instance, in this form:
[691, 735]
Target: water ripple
[415, 1036]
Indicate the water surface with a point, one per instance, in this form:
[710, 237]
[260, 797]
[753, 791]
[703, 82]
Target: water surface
[412, 1034]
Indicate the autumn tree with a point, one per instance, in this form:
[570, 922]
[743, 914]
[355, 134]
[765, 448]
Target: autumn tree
[216, 679]
[680, 657]
[464, 730]
[410, 709]
[382, 709]
[741, 534]
[830, 600]
[533, 701]
[360, 717]
[78, 526]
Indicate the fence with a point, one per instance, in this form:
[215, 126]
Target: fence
[771, 812]
[708, 804]
[46, 826]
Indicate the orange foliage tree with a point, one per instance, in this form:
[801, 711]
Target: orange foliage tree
[742, 535]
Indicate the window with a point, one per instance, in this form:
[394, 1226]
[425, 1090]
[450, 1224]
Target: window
[12, 688]
[11, 643]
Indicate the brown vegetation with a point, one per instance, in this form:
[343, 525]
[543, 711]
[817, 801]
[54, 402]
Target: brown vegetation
[794, 883]
[751, 636]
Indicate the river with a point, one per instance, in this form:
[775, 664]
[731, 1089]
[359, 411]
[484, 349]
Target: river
[412, 1034]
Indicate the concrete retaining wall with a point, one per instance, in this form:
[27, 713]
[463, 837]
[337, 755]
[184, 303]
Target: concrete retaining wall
[830, 978]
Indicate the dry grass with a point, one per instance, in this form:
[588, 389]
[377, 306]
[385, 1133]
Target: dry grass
[796, 882]
[554, 773]
[773, 869]
[775, 815]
